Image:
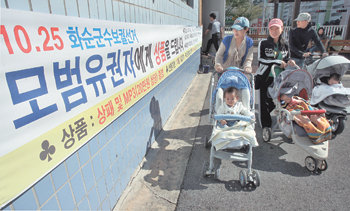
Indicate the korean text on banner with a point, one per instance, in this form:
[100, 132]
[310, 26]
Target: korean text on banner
[64, 79]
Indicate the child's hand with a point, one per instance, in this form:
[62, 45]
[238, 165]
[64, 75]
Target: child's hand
[223, 122]
[314, 118]
[252, 120]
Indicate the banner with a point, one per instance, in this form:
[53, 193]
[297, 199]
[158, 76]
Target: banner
[64, 79]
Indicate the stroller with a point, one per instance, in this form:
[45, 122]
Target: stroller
[298, 82]
[235, 142]
[333, 98]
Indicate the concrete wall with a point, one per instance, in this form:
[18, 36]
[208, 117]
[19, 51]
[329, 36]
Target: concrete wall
[94, 177]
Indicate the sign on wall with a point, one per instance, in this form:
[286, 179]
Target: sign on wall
[64, 79]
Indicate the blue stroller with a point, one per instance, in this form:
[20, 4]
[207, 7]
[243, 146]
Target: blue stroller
[234, 142]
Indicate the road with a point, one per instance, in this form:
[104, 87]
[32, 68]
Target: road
[285, 182]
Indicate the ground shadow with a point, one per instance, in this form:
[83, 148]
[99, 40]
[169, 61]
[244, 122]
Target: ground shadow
[201, 113]
[164, 161]
[268, 157]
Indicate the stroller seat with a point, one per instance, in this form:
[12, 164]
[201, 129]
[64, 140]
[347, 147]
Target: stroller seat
[222, 137]
[233, 142]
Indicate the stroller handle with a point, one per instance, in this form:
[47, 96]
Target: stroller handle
[232, 117]
[313, 112]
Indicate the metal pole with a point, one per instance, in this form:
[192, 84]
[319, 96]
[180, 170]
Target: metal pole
[296, 11]
[275, 9]
[264, 11]
[347, 37]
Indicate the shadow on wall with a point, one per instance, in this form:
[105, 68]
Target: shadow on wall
[154, 110]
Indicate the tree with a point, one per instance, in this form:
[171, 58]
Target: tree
[238, 8]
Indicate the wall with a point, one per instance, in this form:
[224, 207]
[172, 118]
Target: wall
[95, 176]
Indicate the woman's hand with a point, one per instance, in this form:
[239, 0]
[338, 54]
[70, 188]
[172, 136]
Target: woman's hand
[307, 54]
[283, 65]
[248, 69]
[219, 68]
[292, 63]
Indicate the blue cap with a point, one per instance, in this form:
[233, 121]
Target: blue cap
[240, 23]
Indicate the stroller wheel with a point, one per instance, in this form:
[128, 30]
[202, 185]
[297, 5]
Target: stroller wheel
[256, 178]
[207, 143]
[338, 125]
[243, 178]
[323, 165]
[209, 173]
[310, 164]
[266, 134]
[217, 174]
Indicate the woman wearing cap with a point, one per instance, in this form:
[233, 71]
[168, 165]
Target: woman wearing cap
[271, 51]
[299, 39]
[236, 50]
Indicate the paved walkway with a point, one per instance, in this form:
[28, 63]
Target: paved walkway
[157, 183]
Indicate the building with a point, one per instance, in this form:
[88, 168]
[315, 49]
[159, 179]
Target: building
[322, 12]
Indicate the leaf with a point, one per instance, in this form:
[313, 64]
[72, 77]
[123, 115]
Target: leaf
[238, 8]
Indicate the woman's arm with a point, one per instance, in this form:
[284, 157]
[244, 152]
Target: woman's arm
[247, 65]
[317, 41]
[219, 58]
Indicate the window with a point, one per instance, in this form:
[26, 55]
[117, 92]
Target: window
[188, 2]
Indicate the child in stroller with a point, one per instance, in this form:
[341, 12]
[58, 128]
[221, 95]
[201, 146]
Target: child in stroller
[334, 78]
[329, 93]
[232, 105]
[317, 127]
[233, 140]
[298, 82]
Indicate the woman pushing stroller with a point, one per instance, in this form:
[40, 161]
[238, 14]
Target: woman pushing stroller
[272, 51]
[236, 50]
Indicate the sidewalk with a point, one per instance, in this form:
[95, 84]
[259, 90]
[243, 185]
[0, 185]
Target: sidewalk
[157, 183]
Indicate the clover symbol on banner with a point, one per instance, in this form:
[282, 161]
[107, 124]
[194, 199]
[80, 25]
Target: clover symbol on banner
[47, 151]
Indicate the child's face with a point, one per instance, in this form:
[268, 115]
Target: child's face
[286, 99]
[333, 80]
[231, 99]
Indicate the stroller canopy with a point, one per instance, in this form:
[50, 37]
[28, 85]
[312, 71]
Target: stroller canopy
[291, 82]
[326, 66]
[233, 78]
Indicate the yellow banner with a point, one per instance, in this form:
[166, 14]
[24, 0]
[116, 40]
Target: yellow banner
[53, 147]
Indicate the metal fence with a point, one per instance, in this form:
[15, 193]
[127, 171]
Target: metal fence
[329, 30]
